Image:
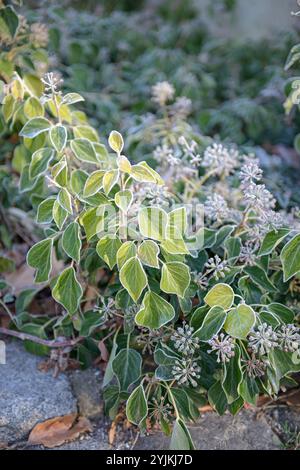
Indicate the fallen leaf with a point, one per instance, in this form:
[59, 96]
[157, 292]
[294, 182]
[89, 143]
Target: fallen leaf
[112, 433]
[56, 431]
[205, 409]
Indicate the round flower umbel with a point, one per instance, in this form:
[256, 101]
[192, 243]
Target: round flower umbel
[254, 366]
[162, 92]
[263, 340]
[184, 341]
[288, 338]
[159, 409]
[186, 371]
[224, 347]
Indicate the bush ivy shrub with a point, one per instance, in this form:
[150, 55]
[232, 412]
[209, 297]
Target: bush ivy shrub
[187, 273]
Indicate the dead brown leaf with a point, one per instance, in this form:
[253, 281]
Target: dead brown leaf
[103, 350]
[56, 431]
[205, 409]
[112, 433]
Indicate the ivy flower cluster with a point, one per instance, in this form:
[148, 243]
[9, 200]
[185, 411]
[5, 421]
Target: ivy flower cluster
[184, 341]
[186, 371]
[220, 159]
[223, 345]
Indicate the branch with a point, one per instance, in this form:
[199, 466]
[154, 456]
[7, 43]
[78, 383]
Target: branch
[44, 342]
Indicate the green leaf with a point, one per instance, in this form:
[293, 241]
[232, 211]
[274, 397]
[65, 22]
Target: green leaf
[290, 258]
[91, 320]
[220, 294]
[127, 367]
[110, 179]
[8, 106]
[282, 312]
[249, 390]
[93, 183]
[35, 127]
[65, 200]
[84, 150]
[143, 173]
[59, 214]
[109, 373]
[39, 258]
[181, 438]
[175, 278]
[44, 212]
[72, 98]
[153, 222]
[107, 249]
[123, 199]
[40, 161]
[272, 240]
[60, 173]
[78, 180]
[33, 107]
[125, 252]
[232, 376]
[136, 406]
[260, 278]
[177, 219]
[133, 278]
[67, 290]
[155, 312]
[240, 321]
[92, 221]
[148, 253]
[9, 21]
[71, 241]
[217, 398]
[176, 245]
[115, 141]
[233, 247]
[293, 57]
[212, 324]
[58, 137]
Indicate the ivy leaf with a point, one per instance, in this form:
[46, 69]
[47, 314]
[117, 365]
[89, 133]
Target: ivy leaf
[127, 367]
[290, 258]
[110, 178]
[240, 321]
[65, 200]
[148, 253]
[84, 150]
[136, 406]
[271, 240]
[217, 398]
[133, 278]
[232, 376]
[123, 199]
[181, 438]
[177, 219]
[34, 127]
[260, 278]
[93, 183]
[9, 20]
[143, 173]
[249, 390]
[92, 221]
[115, 141]
[125, 252]
[109, 373]
[44, 212]
[39, 258]
[59, 214]
[107, 249]
[175, 246]
[33, 107]
[91, 320]
[175, 278]
[40, 161]
[153, 222]
[283, 313]
[221, 294]
[155, 312]
[71, 241]
[72, 98]
[58, 137]
[67, 290]
[212, 323]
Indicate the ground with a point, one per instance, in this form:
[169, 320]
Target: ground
[29, 396]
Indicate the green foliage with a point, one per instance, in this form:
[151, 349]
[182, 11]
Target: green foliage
[190, 313]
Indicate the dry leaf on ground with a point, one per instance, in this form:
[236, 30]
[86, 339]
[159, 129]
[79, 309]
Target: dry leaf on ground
[56, 431]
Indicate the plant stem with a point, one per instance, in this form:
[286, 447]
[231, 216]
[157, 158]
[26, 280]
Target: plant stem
[44, 342]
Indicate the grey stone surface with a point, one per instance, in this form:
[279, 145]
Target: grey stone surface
[86, 386]
[27, 395]
[242, 432]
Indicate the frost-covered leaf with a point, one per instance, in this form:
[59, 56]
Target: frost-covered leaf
[212, 323]
[93, 183]
[84, 150]
[125, 252]
[71, 241]
[107, 249]
[175, 278]
[58, 137]
[153, 222]
[115, 141]
[136, 406]
[127, 367]
[67, 290]
[148, 252]
[290, 258]
[133, 278]
[123, 199]
[221, 294]
[39, 258]
[34, 127]
[40, 161]
[155, 311]
[239, 322]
